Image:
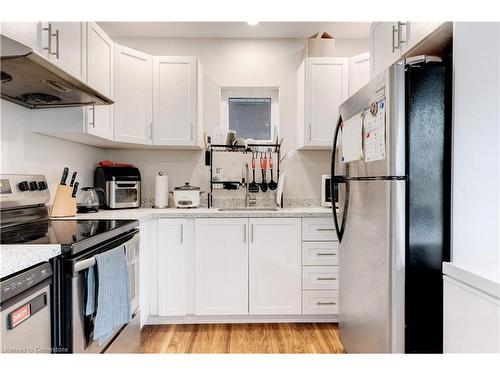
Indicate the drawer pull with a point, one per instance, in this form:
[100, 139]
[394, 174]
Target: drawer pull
[325, 229]
[325, 303]
[322, 254]
[325, 278]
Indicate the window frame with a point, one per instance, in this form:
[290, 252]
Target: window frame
[251, 92]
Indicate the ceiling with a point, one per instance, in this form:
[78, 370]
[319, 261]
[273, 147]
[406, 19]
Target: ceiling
[340, 30]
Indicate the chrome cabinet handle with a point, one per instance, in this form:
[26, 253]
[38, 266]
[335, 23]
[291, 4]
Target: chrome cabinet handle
[49, 42]
[394, 31]
[182, 233]
[93, 116]
[325, 303]
[244, 233]
[192, 131]
[251, 229]
[326, 278]
[324, 254]
[150, 131]
[309, 131]
[57, 44]
[325, 229]
[400, 40]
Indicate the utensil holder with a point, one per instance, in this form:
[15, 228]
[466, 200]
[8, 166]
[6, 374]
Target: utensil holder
[64, 204]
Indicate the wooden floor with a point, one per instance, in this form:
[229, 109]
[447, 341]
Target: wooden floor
[242, 338]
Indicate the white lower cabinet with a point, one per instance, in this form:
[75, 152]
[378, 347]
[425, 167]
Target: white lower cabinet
[172, 261]
[471, 319]
[274, 266]
[320, 302]
[221, 266]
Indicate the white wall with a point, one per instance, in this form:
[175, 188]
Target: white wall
[476, 142]
[230, 63]
[25, 152]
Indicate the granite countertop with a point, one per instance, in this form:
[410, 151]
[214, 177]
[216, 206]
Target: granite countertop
[147, 213]
[14, 258]
[481, 275]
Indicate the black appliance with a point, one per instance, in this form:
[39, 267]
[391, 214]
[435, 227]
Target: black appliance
[118, 186]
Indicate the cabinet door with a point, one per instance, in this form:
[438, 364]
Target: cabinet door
[326, 89]
[172, 267]
[221, 266]
[359, 72]
[28, 33]
[133, 95]
[174, 100]
[382, 43]
[274, 266]
[65, 46]
[100, 76]
[415, 32]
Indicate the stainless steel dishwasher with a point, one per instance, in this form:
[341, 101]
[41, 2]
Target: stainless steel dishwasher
[25, 311]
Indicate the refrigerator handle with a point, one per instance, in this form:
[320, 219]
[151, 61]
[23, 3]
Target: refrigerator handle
[334, 180]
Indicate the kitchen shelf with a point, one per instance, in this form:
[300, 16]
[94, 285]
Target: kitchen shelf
[266, 148]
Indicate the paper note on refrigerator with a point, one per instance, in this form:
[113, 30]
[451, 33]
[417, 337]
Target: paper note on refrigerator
[374, 132]
[352, 138]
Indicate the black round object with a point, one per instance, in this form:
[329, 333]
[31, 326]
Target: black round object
[85, 209]
[5, 77]
[40, 98]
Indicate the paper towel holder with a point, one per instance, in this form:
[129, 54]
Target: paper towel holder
[160, 173]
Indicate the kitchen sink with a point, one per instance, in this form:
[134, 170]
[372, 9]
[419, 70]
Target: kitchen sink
[250, 209]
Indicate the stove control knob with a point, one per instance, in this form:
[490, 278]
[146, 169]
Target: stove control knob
[24, 186]
[42, 185]
[33, 185]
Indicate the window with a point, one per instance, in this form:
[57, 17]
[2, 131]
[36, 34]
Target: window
[252, 113]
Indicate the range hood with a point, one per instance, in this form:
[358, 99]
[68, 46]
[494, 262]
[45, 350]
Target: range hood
[31, 80]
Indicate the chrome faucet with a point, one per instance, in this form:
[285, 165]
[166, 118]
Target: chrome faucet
[250, 201]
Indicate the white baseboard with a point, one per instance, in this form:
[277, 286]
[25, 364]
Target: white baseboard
[198, 319]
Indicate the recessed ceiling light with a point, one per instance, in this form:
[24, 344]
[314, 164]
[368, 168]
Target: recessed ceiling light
[253, 23]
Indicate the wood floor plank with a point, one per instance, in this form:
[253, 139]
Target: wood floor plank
[242, 338]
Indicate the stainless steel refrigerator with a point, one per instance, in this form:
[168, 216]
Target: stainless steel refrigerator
[393, 216]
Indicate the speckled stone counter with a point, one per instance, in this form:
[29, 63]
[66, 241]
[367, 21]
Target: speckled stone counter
[148, 213]
[14, 258]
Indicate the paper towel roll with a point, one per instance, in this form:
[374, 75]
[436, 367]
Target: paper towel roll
[161, 191]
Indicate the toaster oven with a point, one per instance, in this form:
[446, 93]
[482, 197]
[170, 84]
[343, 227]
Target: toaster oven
[118, 187]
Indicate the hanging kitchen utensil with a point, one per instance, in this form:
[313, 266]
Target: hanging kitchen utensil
[263, 162]
[253, 187]
[272, 185]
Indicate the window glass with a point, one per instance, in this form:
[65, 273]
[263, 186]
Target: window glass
[250, 117]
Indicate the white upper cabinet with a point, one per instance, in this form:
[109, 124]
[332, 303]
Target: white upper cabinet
[172, 266]
[100, 77]
[359, 72]
[322, 86]
[384, 45]
[221, 266]
[63, 43]
[27, 33]
[274, 266]
[416, 32]
[133, 108]
[177, 89]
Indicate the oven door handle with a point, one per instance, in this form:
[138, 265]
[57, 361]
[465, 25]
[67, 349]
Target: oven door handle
[84, 264]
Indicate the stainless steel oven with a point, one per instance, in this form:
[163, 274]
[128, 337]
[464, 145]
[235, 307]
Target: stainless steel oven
[75, 333]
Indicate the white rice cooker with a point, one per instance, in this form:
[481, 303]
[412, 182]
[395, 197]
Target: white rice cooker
[187, 196]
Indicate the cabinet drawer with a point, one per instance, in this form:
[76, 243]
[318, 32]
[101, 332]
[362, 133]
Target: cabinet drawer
[318, 229]
[320, 253]
[320, 277]
[320, 302]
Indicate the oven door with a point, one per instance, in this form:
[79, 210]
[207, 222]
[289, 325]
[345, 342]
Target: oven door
[123, 194]
[82, 326]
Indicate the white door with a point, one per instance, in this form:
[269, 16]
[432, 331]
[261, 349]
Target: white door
[28, 33]
[274, 266]
[359, 72]
[326, 89]
[172, 267]
[383, 41]
[133, 108]
[174, 100]
[221, 266]
[100, 77]
[65, 46]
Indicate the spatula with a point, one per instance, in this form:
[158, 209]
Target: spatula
[263, 162]
[253, 187]
[272, 185]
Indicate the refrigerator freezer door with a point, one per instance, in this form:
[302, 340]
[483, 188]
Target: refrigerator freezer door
[370, 310]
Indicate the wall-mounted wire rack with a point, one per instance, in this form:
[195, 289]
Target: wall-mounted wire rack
[256, 148]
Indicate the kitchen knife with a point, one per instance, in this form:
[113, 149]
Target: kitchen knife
[64, 175]
[75, 188]
[73, 178]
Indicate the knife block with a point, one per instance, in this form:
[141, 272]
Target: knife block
[64, 204]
